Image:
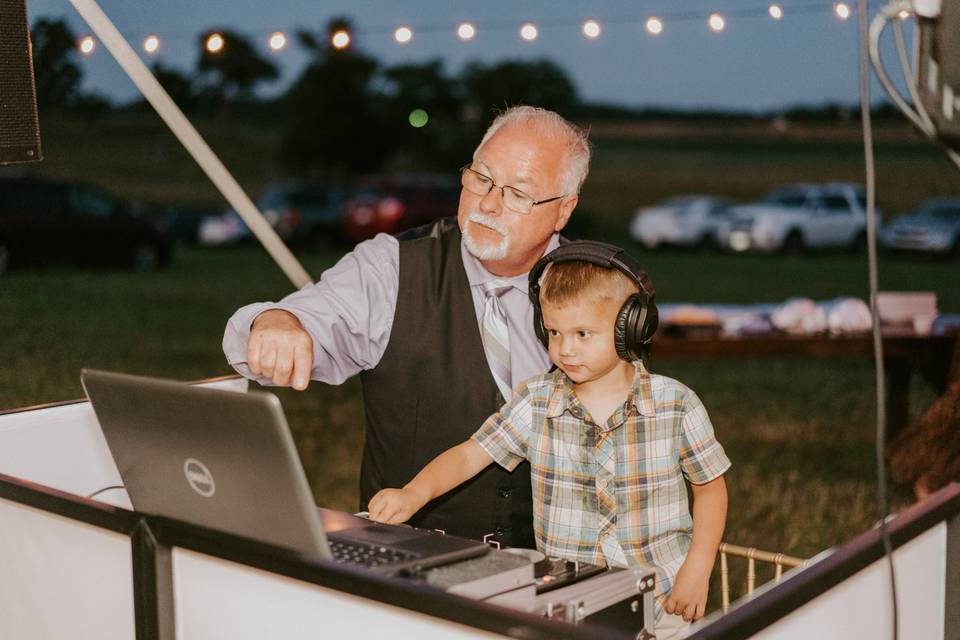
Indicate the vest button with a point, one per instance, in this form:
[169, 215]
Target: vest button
[504, 493]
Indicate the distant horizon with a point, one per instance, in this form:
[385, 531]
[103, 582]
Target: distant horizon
[808, 59]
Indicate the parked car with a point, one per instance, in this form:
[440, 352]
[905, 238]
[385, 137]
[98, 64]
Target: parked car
[390, 204]
[222, 229]
[932, 228]
[799, 217]
[302, 214]
[180, 222]
[47, 222]
[681, 221]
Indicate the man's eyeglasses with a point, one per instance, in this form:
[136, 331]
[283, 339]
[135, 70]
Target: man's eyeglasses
[514, 199]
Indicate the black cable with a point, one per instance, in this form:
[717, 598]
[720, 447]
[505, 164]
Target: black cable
[99, 491]
[872, 271]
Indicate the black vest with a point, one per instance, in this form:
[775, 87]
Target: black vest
[431, 390]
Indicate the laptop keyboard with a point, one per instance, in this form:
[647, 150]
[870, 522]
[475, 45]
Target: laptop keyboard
[367, 555]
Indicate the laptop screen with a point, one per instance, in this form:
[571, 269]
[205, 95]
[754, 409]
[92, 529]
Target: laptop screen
[219, 459]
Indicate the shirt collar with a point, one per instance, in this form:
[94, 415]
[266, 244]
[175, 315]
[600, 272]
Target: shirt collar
[562, 397]
[477, 274]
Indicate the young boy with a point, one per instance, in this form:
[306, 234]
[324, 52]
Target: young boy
[609, 445]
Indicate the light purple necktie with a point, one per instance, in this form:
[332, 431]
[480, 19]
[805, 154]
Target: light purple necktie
[496, 336]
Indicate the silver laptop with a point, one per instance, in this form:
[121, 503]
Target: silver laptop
[226, 460]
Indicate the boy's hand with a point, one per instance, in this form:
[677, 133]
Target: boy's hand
[689, 595]
[394, 506]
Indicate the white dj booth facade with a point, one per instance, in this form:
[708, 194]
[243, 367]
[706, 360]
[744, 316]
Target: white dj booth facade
[72, 567]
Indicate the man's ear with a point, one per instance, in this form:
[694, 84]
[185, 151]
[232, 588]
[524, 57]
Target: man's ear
[567, 205]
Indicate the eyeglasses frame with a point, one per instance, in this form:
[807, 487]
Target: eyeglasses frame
[493, 184]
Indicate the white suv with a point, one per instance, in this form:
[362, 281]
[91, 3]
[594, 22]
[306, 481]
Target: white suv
[799, 217]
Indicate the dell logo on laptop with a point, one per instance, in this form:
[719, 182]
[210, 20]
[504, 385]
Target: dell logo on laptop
[199, 477]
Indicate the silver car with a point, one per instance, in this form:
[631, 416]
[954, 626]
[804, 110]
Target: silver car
[799, 217]
[681, 221]
[932, 228]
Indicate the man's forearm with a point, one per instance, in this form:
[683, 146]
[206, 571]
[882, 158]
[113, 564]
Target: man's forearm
[348, 314]
[450, 469]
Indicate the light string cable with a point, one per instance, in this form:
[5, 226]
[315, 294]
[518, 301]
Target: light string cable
[865, 49]
[916, 113]
[760, 10]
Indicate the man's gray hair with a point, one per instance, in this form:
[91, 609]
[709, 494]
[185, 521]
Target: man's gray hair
[551, 124]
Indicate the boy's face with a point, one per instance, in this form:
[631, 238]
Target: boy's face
[581, 338]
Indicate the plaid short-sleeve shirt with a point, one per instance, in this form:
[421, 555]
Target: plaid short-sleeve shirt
[612, 493]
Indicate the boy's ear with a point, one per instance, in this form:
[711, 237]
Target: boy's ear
[567, 205]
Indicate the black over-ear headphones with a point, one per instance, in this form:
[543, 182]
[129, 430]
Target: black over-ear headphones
[638, 317]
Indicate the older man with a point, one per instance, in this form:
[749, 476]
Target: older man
[439, 327]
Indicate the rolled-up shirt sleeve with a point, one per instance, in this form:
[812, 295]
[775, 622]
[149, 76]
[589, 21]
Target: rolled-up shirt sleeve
[348, 313]
[702, 458]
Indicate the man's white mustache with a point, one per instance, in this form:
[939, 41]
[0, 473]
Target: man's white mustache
[488, 221]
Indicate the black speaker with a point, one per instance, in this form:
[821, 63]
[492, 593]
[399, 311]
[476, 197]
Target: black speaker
[19, 124]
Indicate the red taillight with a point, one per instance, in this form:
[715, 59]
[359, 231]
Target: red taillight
[390, 210]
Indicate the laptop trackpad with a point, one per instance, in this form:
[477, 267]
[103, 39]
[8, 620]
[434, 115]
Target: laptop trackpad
[375, 533]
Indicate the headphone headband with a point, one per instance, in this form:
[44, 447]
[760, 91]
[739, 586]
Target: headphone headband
[598, 253]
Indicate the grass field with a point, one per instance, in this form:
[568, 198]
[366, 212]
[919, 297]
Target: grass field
[799, 432]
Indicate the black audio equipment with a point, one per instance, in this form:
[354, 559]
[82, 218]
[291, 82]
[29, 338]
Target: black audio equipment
[19, 124]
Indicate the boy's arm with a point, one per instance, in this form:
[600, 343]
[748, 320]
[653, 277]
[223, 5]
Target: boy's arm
[689, 595]
[450, 469]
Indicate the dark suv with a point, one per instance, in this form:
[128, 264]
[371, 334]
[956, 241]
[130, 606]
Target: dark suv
[46, 222]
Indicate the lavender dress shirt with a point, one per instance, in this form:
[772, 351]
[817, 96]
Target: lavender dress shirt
[349, 314]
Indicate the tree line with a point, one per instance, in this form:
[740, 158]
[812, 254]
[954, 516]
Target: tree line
[347, 113]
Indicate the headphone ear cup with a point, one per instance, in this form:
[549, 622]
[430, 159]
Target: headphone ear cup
[621, 329]
[538, 327]
[650, 324]
[636, 324]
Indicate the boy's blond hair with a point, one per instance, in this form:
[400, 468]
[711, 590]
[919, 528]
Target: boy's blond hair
[568, 282]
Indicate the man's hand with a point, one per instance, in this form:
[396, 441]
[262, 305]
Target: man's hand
[394, 506]
[279, 348]
[689, 595]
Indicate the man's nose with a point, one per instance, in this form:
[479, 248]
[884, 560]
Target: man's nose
[493, 201]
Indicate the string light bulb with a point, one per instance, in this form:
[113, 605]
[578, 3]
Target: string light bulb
[340, 39]
[214, 43]
[903, 15]
[151, 43]
[466, 31]
[87, 45]
[277, 41]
